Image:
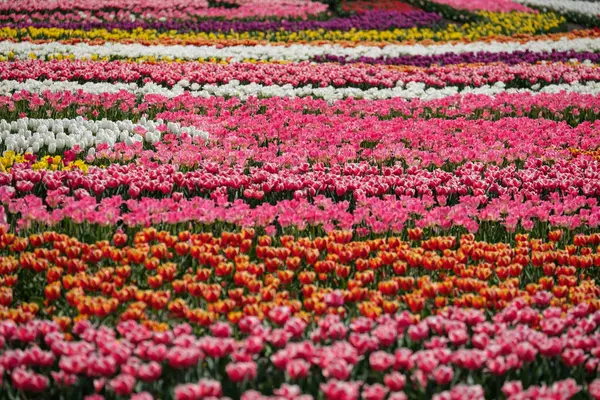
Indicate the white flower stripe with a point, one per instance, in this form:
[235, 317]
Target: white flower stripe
[587, 8]
[233, 89]
[52, 135]
[294, 52]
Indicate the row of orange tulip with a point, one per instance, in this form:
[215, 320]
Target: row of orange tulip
[157, 276]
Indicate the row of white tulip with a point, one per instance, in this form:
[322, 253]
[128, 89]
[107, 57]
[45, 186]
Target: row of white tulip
[55, 135]
[587, 8]
[294, 52]
[411, 90]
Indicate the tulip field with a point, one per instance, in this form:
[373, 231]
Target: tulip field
[299, 199]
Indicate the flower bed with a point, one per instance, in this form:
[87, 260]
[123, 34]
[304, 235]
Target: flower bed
[155, 9]
[487, 25]
[583, 12]
[279, 200]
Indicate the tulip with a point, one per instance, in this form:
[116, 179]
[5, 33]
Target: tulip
[297, 369]
[334, 389]
[512, 388]
[123, 384]
[142, 396]
[443, 375]
[149, 372]
[241, 371]
[395, 381]
[28, 381]
[337, 369]
[374, 392]
[594, 389]
[380, 360]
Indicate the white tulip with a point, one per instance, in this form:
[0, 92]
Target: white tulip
[410, 91]
[301, 52]
[587, 8]
[35, 134]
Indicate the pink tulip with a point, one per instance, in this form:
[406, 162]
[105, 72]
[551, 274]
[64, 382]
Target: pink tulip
[221, 329]
[381, 361]
[395, 381]
[241, 371]
[28, 381]
[397, 396]
[594, 389]
[297, 369]
[149, 372]
[512, 388]
[122, 384]
[336, 390]
[183, 358]
[374, 392]
[142, 396]
[337, 369]
[443, 375]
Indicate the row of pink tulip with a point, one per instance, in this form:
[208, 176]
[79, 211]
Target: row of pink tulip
[290, 138]
[180, 9]
[374, 215]
[360, 180]
[338, 359]
[358, 196]
[89, 16]
[126, 105]
[298, 74]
